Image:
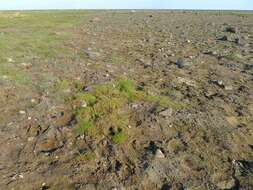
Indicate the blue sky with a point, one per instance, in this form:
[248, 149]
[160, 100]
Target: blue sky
[126, 4]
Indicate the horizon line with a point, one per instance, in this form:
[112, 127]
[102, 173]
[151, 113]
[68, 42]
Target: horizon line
[119, 9]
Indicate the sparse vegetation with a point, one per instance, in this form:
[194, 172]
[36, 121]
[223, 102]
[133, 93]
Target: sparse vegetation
[100, 100]
[84, 127]
[119, 137]
[234, 57]
[86, 156]
[107, 106]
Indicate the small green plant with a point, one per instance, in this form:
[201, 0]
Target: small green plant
[63, 85]
[233, 57]
[84, 127]
[86, 156]
[164, 101]
[106, 105]
[119, 137]
[88, 98]
[127, 87]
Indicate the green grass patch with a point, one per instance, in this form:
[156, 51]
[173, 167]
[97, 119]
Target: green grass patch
[234, 57]
[9, 72]
[43, 35]
[63, 85]
[119, 137]
[86, 156]
[84, 127]
[106, 107]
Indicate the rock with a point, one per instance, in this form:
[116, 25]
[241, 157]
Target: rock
[10, 60]
[231, 29]
[159, 154]
[30, 139]
[242, 167]
[91, 54]
[180, 63]
[218, 83]
[96, 19]
[135, 106]
[238, 41]
[26, 65]
[228, 88]
[166, 186]
[226, 184]
[83, 104]
[33, 100]
[22, 112]
[248, 67]
[144, 63]
[210, 52]
[88, 89]
[166, 113]
[44, 186]
[223, 38]
[186, 81]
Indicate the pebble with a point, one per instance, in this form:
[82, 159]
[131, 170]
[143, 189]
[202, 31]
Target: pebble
[218, 82]
[223, 38]
[159, 154]
[26, 65]
[166, 113]
[21, 176]
[91, 54]
[180, 63]
[10, 60]
[238, 41]
[83, 104]
[135, 106]
[33, 100]
[229, 88]
[22, 112]
[231, 29]
[88, 89]
[30, 139]
[4, 76]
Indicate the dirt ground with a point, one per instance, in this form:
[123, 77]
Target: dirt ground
[126, 100]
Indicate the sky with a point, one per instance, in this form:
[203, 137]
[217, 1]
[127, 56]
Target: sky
[126, 4]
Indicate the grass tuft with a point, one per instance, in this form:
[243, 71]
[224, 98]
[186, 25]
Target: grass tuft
[84, 127]
[119, 137]
[106, 107]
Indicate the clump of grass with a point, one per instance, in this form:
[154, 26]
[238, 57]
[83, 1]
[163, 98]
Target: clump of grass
[105, 106]
[12, 74]
[127, 87]
[234, 57]
[164, 101]
[88, 98]
[63, 85]
[119, 137]
[84, 127]
[86, 156]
